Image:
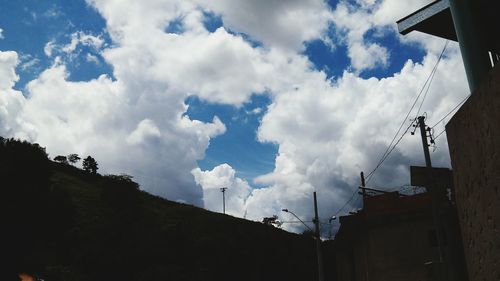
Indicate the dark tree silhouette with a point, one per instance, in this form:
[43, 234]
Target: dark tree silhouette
[73, 158]
[90, 165]
[271, 221]
[61, 159]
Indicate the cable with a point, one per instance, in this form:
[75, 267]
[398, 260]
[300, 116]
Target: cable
[433, 73]
[438, 135]
[447, 114]
[352, 196]
[370, 175]
[389, 150]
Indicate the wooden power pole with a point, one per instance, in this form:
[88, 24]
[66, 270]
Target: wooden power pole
[318, 241]
[431, 188]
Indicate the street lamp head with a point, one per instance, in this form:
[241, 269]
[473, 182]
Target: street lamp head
[285, 210]
[332, 219]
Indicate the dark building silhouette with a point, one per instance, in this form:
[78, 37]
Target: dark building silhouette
[393, 238]
[474, 141]
[474, 132]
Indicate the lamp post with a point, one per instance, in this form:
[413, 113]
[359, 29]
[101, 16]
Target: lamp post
[288, 211]
[330, 226]
[316, 236]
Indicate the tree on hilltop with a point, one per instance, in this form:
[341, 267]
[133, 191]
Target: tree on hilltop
[90, 165]
[73, 158]
[61, 159]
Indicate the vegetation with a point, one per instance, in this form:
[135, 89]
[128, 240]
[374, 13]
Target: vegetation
[90, 165]
[62, 223]
[73, 158]
[61, 159]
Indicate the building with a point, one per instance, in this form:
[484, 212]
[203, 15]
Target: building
[473, 132]
[394, 238]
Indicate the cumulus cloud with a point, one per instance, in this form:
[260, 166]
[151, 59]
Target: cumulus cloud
[327, 130]
[285, 24]
[8, 63]
[327, 134]
[11, 101]
[353, 20]
[221, 176]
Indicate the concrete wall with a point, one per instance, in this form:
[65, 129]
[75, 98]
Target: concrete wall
[391, 251]
[399, 252]
[474, 142]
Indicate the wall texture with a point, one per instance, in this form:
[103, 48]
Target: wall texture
[474, 142]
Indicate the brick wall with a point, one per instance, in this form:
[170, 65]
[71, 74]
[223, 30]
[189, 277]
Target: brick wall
[474, 142]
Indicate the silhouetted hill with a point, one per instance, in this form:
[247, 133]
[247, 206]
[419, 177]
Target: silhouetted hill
[62, 223]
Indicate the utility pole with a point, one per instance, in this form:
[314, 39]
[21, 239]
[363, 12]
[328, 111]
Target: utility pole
[431, 189]
[318, 241]
[223, 190]
[425, 144]
[363, 185]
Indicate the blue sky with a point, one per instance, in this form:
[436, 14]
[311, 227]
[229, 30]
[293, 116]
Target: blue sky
[227, 93]
[44, 21]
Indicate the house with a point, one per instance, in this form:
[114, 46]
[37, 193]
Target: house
[394, 238]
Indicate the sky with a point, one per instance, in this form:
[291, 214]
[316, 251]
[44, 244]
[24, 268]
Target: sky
[272, 99]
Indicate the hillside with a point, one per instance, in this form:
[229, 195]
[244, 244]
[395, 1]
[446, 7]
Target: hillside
[62, 223]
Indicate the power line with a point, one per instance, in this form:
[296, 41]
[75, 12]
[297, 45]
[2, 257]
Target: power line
[370, 175]
[433, 73]
[447, 114]
[350, 199]
[438, 135]
[391, 147]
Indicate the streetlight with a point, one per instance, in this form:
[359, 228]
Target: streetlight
[288, 211]
[330, 226]
[317, 236]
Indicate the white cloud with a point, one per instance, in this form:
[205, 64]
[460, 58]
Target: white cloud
[8, 63]
[285, 24]
[95, 42]
[367, 56]
[221, 176]
[327, 134]
[49, 47]
[327, 130]
[1, 34]
[29, 62]
[143, 134]
[146, 129]
[70, 51]
[11, 101]
[354, 20]
[92, 58]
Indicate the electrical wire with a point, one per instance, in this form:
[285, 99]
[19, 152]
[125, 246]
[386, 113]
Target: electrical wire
[448, 114]
[438, 135]
[433, 73]
[391, 147]
[347, 202]
[370, 175]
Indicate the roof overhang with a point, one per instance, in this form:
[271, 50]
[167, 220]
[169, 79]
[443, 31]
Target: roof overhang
[434, 19]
